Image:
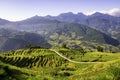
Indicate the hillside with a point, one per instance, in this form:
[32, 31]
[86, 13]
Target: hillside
[3, 22]
[105, 23]
[36, 63]
[11, 40]
[77, 36]
[58, 33]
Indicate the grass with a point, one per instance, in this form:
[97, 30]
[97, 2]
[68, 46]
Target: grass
[43, 64]
[77, 55]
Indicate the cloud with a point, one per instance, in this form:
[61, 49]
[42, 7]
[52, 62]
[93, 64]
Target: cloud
[114, 12]
[90, 13]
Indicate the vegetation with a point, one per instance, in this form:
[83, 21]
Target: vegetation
[99, 48]
[43, 32]
[11, 40]
[115, 72]
[44, 64]
[87, 49]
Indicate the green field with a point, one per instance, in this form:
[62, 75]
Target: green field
[45, 64]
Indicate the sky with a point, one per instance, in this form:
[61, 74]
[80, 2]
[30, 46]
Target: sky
[15, 10]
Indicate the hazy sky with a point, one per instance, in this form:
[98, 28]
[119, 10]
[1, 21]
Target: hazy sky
[21, 9]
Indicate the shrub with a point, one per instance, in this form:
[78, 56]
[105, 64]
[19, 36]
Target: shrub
[100, 49]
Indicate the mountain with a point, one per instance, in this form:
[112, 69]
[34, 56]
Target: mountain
[105, 23]
[68, 17]
[102, 22]
[58, 33]
[11, 40]
[77, 36]
[34, 24]
[3, 21]
[72, 54]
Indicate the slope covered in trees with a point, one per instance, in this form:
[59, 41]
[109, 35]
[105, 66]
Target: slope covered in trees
[11, 40]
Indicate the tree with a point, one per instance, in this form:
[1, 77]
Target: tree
[64, 46]
[100, 49]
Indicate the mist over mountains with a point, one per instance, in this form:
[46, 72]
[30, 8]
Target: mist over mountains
[75, 30]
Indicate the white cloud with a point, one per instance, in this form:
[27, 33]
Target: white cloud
[90, 13]
[113, 12]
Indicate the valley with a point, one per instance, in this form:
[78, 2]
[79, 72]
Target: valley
[55, 33]
[64, 47]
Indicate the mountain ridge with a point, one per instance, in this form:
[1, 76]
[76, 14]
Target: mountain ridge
[102, 22]
[72, 33]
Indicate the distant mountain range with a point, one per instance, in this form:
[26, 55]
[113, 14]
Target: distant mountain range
[105, 23]
[3, 22]
[102, 22]
[75, 30]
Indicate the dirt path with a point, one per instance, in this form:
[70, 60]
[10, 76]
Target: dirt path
[70, 59]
